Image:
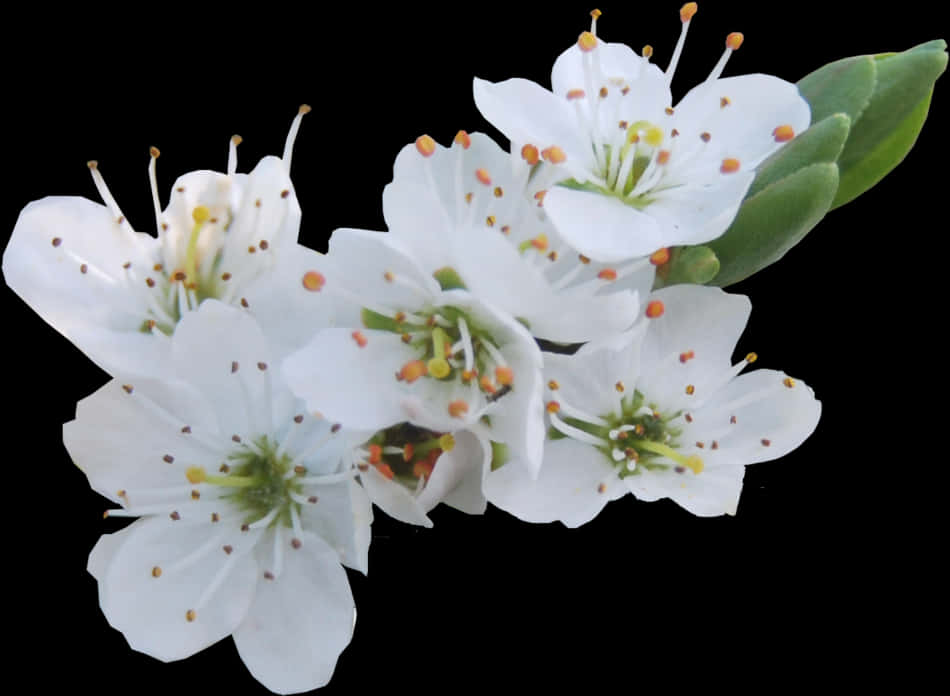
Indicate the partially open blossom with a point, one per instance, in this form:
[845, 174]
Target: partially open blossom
[118, 294]
[627, 173]
[660, 415]
[247, 505]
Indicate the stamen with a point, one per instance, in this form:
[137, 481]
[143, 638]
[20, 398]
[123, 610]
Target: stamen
[104, 190]
[462, 138]
[425, 145]
[232, 154]
[530, 154]
[292, 135]
[654, 309]
[572, 432]
[153, 184]
[733, 41]
[686, 14]
[587, 41]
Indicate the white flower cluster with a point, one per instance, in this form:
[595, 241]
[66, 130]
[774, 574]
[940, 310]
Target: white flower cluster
[264, 395]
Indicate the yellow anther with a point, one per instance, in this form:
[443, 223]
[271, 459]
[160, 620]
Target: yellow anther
[653, 136]
[619, 387]
[190, 615]
[504, 376]
[730, 165]
[463, 139]
[425, 145]
[647, 51]
[734, 40]
[660, 256]
[313, 281]
[553, 385]
[783, 134]
[156, 572]
[553, 154]
[439, 367]
[788, 382]
[751, 358]
[237, 139]
[195, 474]
[573, 94]
[446, 442]
[694, 463]
[603, 92]
[200, 214]
[596, 13]
[553, 407]
[154, 152]
[690, 389]
[483, 176]
[490, 221]
[530, 154]
[587, 42]
[687, 11]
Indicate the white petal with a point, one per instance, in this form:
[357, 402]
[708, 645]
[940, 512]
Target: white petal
[457, 477]
[299, 623]
[151, 611]
[350, 384]
[743, 129]
[713, 492]
[527, 113]
[568, 488]
[393, 498]
[602, 227]
[341, 517]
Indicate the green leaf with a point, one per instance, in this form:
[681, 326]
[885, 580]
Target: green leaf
[773, 221]
[694, 264]
[822, 142]
[889, 126]
[844, 86]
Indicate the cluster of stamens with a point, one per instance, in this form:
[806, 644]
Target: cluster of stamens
[404, 453]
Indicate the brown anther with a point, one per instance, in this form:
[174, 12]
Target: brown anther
[251, 249]
[300, 470]
[180, 275]
[724, 102]
[552, 256]
[195, 494]
[705, 136]
[668, 110]
[499, 192]
[190, 615]
[224, 276]
[639, 429]
[583, 259]
[168, 459]
[245, 527]
[468, 197]
[180, 189]
[674, 133]
[601, 488]
[164, 227]
[257, 203]
[263, 244]
[186, 429]
[298, 418]
[312, 499]
[553, 385]
[619, 387]
[235, 365]
[175, 516]
[714, 445]
[406, 338]
[224, 469]
[215, 517]
[623, 125]
[732, 420]
[236, 438]
[506, 229]
[57, 241]
[335, 428]
[625, 90]
[244, 303]
[490, 221]
[83, 268]
[602, 92]
[765, 442]
[268, 575]
[262, 366]
[688, 417]
[285, 193]
[148, 281]
[701, 445]
[156, 572]
[227, 548]
[296, 543]
[690, 389]
[127, 388]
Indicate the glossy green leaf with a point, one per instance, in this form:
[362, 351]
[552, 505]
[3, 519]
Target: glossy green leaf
[695, 264]
[773, 221]
[889, 126]
[844, 86]
[822, 142]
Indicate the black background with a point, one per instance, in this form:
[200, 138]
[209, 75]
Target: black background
[805, 582]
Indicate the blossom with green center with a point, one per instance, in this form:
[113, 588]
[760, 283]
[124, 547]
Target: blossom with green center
[661, 413]
[118, 294]
[246, 506]
[623, 172]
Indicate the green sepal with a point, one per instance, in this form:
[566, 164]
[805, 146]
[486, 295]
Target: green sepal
[773, 221]
[889, 126]
[822, 142]
[499, 455]
[694, 264]
[842, 87]
[449, 279]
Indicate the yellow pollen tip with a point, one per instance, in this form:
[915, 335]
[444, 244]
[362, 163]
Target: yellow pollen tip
[653, 136]
[457, 409]
[413, 370]
[687, 11]
[237, 140]
[190, 615]
[694, 463]
[304, 109]
[463, 139]
[485, 384]
[619, 387]
[596, 13]
[200, 214]
[156, 572]
[195, 474]
[751, 358]
[647, 51]
[154, 152]
[439, 368]
[92, 164]
[483, 177]
[553, 385]
[660, 256]
[607, 274]
[730, 165]
[788, 382]
[783, 134]
[530, 154]
[655, 309]
[504, 376]
[573, 94]
[553, 407]
[690, 389]
[540, 242]
[663, 156]
[313, 281]
[375, 454]
[425, 145]
[587, 42]
[554, 154]
[734, 40]
[447, 442]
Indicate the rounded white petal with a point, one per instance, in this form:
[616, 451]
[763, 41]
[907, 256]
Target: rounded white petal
[457, 477]
[341, 517]
[300, 622]
[151, 611]
[602, 227]
[393, 498]
[575, 483]
[713, 492]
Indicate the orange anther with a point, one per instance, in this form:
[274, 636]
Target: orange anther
[607, 274]
[385, 470]
[313, 281]
[541, 241]
[734, 40]
[688, 355]
[663, 156]
[596, 13]
[407, 451]
[586, 42]
[655, 309]
[690, 389]
[553, 385]
[375, 454]
[463, 139]
[730, 165]
[647, 51]
[530, 154]
[388, 276]
[553, 407]
[422, 469]
[553, 154]
[469, 375]
[359, 338]
[539, 197]
[486, 384]
[504, 376]
[660, 256]
[413, 370]
[483, 177]
[425, 145]
[783, 134]
[457, 409]
[687, 11]
[574, 94]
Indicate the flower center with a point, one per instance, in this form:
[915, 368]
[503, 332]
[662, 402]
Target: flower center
[405, 453]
